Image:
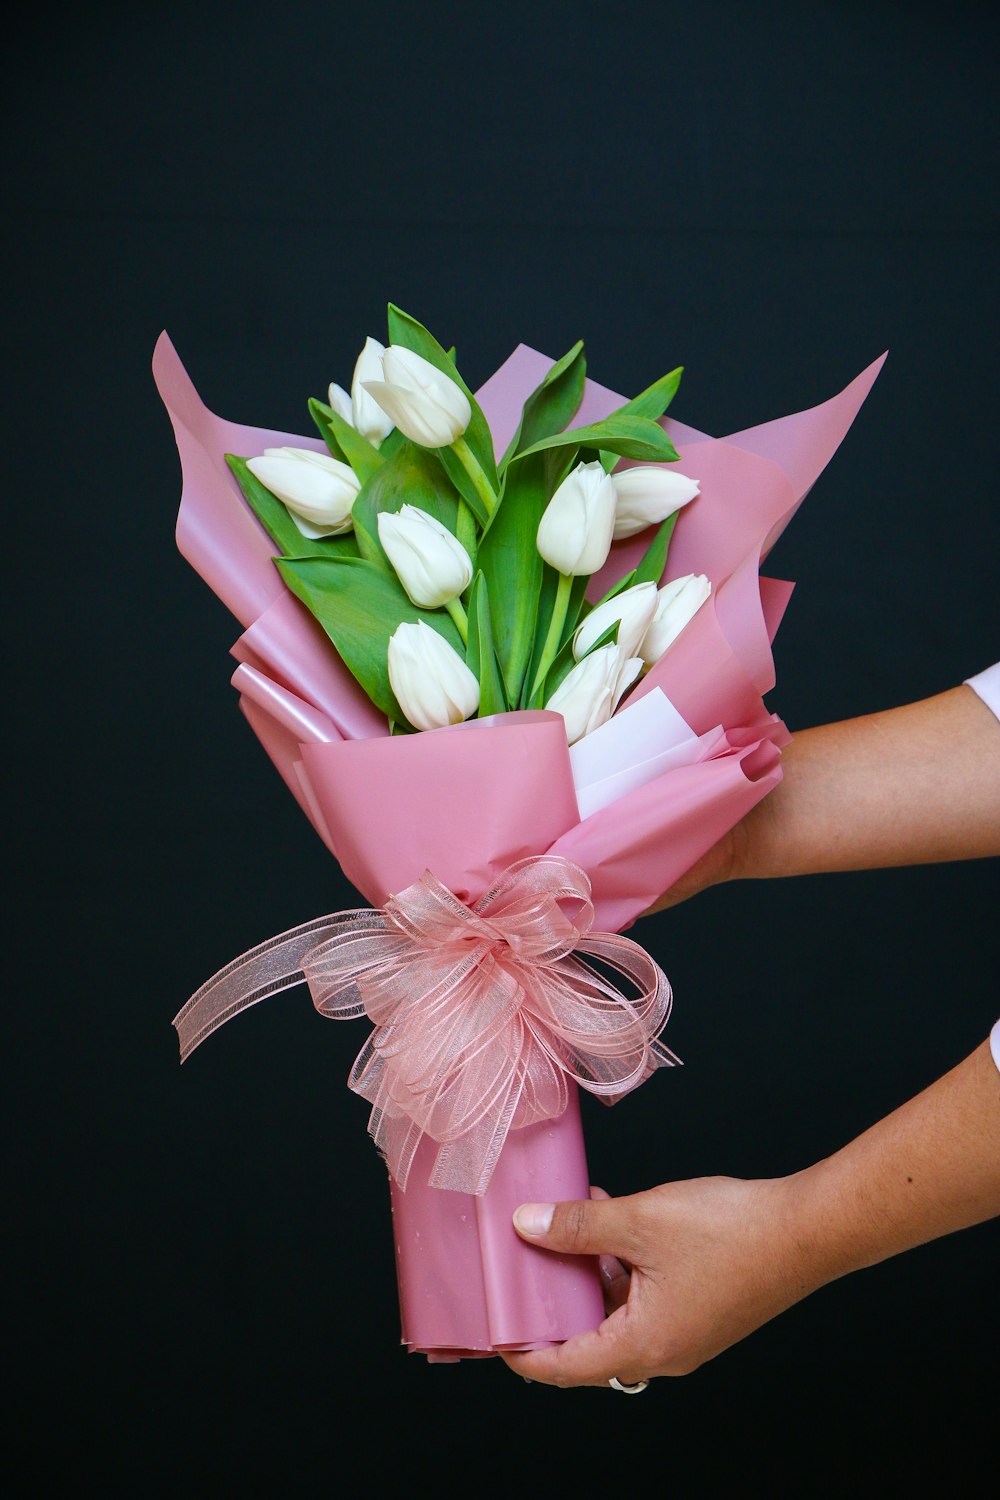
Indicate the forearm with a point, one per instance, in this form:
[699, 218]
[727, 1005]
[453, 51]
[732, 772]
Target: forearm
[912, 785]
[927, 1169]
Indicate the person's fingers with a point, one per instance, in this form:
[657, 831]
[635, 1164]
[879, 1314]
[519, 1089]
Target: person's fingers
[610, 1229]
[615, 1274]
[616, 1279]
[599, 1226]
[587, 1359]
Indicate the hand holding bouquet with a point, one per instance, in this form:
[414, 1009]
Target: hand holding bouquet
[510, 659]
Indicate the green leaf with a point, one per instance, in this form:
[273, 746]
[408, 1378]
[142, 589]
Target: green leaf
[412, 476]
[654, 400]
[553, 403]
[654, 560]
[512, 566]
[556, 464]
[273, 515]
[316, 410]
[359, 605]
[543, 616]
[458, 476]
[405, 330]
[357, 451]
[631, 437]
[481, 656]
[391, 443]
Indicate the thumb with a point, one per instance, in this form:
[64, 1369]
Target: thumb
[580, 1227]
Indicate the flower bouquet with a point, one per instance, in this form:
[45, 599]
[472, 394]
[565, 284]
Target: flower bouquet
[508, 651]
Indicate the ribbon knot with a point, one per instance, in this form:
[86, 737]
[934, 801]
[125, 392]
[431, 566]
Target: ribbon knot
[482, 1014]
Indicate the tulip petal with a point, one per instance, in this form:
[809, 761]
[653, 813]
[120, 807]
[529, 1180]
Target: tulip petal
[284, 528]
[432, 683]
[430, 562]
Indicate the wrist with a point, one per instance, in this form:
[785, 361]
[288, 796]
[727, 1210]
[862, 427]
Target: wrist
[792, 1251]
[831, 1232]
[929, 1168]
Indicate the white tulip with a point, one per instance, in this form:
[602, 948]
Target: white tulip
[426, 406]
[574, 534]
[647, 495]
[591, 691]
[317, 488]
[432, 683]
[633, 608]
[676, 604]
[356, 405]
[340, 401]
[431, 562]
[367, 416]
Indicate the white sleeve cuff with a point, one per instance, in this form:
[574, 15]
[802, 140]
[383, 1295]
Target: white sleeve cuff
[995, 1043]
[987, 685]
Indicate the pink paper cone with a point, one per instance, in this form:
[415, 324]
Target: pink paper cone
[468, 1284]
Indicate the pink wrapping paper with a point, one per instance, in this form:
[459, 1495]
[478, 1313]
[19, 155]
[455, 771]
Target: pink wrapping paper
[468, 1286]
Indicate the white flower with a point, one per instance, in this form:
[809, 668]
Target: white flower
[633, 608]
[432, 683]
[676, 604]
[426, 406]
[574, 534]
[647, 495]
[357, 406]
[317, 488]
[591, 691]
[432, 564]
[340, 401]
[368, 417]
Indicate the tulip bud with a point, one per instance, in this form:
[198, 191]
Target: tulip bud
[647, 495]
[590, 692]
[432, 564]
[676, 604]
[340, 401]
[432, 684]
[574, 534]
[633, 608]
[318, 489]
[426, 406]
[366, 415]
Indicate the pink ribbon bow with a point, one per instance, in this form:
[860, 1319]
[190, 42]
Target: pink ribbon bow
[481, 1013]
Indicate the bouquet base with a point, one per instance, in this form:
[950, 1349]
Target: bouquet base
[468, 1285]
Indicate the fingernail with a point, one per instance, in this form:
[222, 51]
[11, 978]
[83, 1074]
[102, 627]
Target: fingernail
[534, 1218]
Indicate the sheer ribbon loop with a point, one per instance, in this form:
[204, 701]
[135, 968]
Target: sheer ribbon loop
[481, 1013]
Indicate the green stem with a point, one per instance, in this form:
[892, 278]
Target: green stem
[461, 619]
[472, 467]
[554, 638]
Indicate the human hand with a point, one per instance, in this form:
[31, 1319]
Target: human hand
[688, 1268]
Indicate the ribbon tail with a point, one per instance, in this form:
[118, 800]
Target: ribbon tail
[272, 966]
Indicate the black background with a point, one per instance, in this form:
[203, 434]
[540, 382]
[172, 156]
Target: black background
[202, 1289]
